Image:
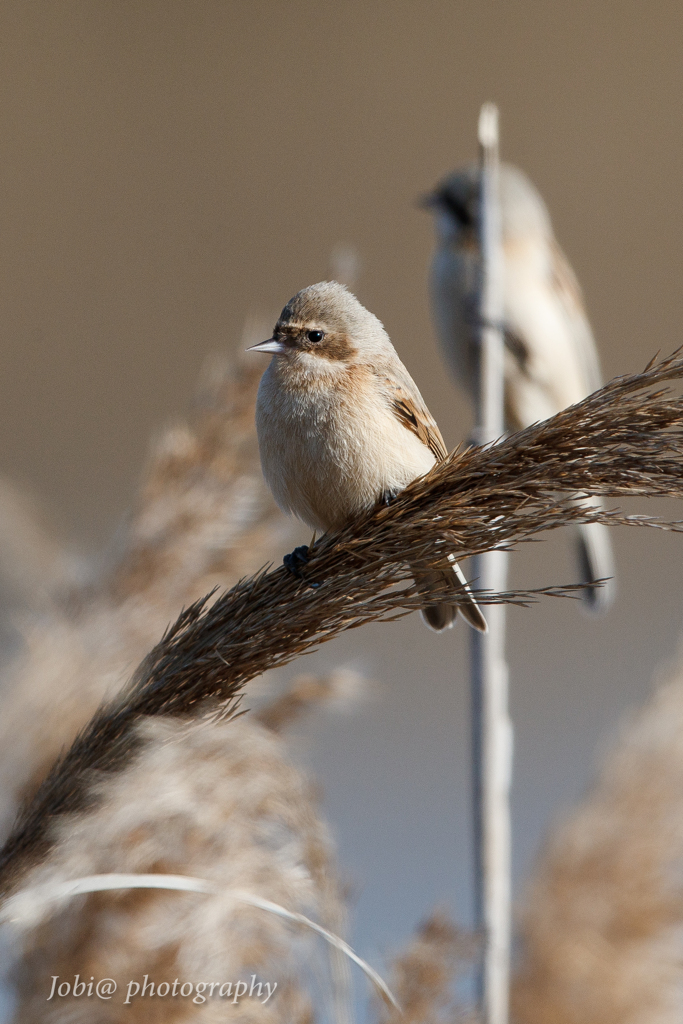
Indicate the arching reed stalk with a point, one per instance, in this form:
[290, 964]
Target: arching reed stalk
[625, 439]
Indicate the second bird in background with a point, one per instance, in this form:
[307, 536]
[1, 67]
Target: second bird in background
[550, 356]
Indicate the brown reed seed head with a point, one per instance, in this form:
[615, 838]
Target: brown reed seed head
[625, 439]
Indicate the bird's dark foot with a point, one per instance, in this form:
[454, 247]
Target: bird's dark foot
[388, 497]
[296, 560]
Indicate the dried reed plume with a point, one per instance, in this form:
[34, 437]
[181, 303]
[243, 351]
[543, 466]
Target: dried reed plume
[602, 932]
[424, 975]
[214, 799]
[217, 801]
[625, 439]
[306, 691]
[204, 516]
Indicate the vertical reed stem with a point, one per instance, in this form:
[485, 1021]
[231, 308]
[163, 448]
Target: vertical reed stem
[491, 727]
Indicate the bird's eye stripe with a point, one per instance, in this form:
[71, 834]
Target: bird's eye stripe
[458, 209]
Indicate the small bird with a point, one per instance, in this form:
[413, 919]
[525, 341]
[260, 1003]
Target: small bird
[341, 426]
[550, 356]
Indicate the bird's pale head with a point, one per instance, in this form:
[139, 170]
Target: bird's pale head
[456, 199]
[325, 324]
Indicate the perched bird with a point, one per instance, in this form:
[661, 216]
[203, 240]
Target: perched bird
[341, 426]
[550, 355]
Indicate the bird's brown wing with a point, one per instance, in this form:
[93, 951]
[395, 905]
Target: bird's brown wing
[409, 409]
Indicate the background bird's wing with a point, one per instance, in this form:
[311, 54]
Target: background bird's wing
[409, 409]
[568, 290]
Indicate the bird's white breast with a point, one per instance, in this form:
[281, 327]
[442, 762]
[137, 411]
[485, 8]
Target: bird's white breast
[330, 445]
[554, 375]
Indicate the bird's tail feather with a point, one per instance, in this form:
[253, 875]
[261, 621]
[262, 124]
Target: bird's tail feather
[440, 615]
[596, 562]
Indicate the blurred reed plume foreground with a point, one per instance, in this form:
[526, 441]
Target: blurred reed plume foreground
[603, 927]
[217, 799]
[161, 779]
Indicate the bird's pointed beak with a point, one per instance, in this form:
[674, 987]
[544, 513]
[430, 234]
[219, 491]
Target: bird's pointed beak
[271, 345]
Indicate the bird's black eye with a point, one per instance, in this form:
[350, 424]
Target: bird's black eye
[457, 209]
[315, 336]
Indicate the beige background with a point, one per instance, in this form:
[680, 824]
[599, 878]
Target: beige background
[168, 167]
